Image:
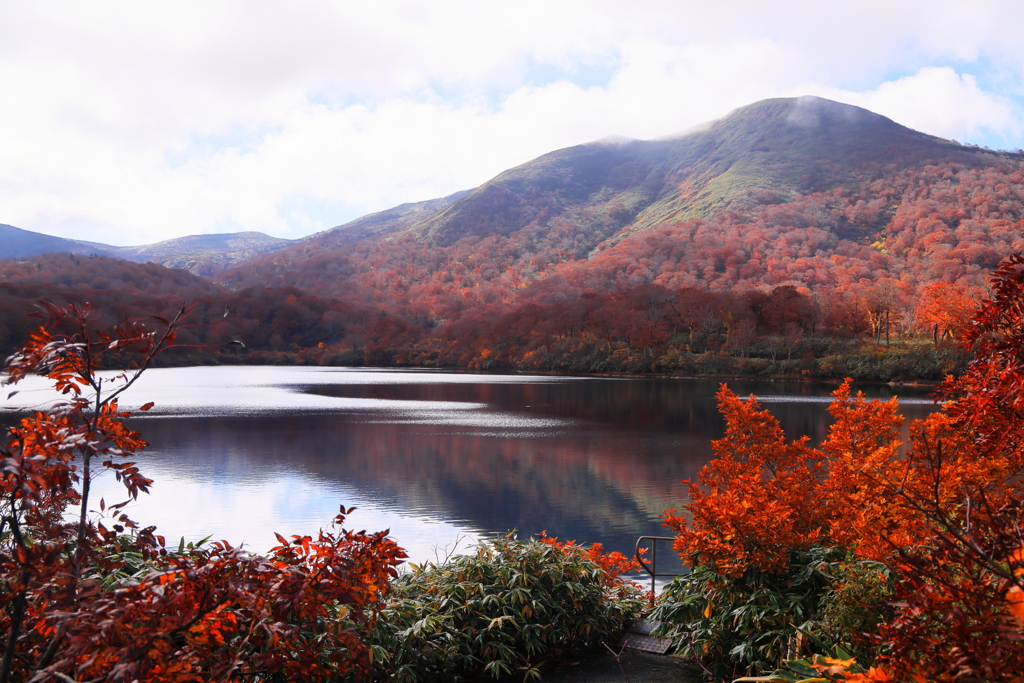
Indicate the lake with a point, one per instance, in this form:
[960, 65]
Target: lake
[439, 458]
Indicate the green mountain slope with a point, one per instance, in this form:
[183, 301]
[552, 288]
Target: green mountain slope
[800, 144]
[618, 187]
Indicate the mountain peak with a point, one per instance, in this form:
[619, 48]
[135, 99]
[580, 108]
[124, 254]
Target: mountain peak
[810, 111]
[806, 111]
[618, 186]
[612, 141]
[810, 120]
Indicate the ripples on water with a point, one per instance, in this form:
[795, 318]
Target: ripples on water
[438, 458]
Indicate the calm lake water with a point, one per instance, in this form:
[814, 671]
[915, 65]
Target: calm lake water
[439, 458]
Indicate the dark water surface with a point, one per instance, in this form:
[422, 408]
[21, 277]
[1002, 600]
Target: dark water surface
[243, 452]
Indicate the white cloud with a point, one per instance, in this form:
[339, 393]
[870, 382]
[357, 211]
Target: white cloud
[128, 122]
[939, 101]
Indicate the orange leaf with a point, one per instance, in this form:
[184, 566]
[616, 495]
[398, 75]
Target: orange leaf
[1015, 596]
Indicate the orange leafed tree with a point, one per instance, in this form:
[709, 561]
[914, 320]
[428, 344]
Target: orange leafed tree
[946, 309]
[749, 505]
[81, 601]
[944, 515]
[944, 511]
[763, 496]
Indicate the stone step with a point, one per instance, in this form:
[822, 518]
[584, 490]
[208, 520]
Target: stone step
[638, 637]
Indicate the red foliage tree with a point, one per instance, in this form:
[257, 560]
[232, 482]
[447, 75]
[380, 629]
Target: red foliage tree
[83, 600]
[945, 515]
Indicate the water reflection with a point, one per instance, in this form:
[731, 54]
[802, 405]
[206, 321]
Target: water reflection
[436, 456]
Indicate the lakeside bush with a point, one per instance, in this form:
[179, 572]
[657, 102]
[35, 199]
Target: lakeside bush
[506, 610]
[755, 622]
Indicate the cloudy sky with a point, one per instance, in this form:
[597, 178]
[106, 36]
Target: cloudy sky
[131, 122]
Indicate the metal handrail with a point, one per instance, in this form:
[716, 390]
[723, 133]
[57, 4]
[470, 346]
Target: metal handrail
[652, 569]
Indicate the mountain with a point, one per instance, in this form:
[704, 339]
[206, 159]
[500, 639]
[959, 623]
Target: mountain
[785, 219]
[203, 255]
[207, 255]
[383, 223]
[18, 243]
[785, 145]
[804, 192]
[607, 190]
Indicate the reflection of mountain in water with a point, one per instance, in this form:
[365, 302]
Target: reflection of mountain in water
[586, 484]
[605, 474]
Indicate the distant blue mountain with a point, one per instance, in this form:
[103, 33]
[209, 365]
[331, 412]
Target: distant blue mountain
[204, 255]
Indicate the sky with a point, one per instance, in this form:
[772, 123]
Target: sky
[129, 122]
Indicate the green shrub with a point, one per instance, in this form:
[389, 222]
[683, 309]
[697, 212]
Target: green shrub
[741, 626]
[856, 606]
[505, 610]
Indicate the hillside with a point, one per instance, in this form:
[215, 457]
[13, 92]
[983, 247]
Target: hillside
[380, 224]
[802, 192]
[268, 320]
